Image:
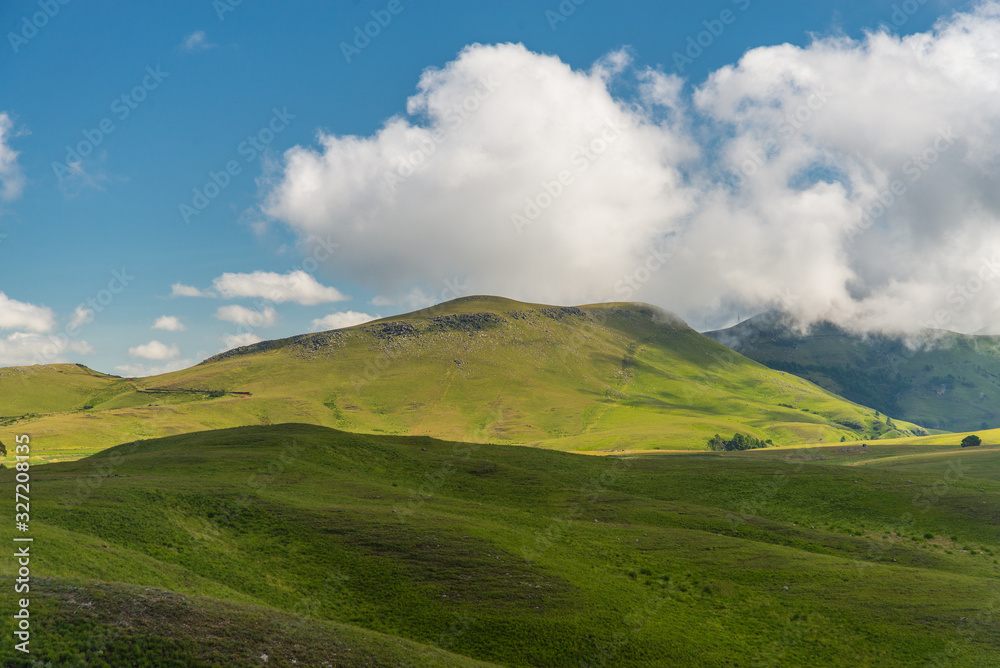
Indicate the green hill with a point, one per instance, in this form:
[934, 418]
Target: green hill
[316, 547]
[602, 377]
[950, 382]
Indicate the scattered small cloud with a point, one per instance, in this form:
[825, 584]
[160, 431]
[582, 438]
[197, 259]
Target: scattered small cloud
[155, 350]
[265, 317]
[196, 41]
[143, 370]
[296, 286]
[181, 290]
[24, 316]
[11, 177]
[81, 316]
[340, 320]
[169, 323]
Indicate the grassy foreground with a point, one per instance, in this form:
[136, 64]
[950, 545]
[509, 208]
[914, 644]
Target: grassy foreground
[604, 377]
[318, 545]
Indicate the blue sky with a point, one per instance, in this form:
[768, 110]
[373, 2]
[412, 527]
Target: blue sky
[167, 93]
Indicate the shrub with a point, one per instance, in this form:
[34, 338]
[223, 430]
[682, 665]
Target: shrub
[971, 441]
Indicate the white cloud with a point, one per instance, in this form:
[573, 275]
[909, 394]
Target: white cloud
[181, 290]
[665, 213]
[11, 177]
[264, 317]
[170, 323]
[496, 127]
[23, 348]
[25, 316]
[295, 286]
[238, 340]
[81, 316]
[196, 41]
[340, 320]
[155, 350]
[143, 370]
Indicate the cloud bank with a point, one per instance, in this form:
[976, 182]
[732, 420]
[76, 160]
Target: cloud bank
[849, 180]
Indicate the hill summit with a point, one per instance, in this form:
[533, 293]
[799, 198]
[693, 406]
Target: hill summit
[605, 377]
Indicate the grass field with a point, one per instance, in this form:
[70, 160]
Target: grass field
[323, 546]
[605, 377]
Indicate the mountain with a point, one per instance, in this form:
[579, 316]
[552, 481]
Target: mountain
[944, 381]
[313, 547]
[602, 377]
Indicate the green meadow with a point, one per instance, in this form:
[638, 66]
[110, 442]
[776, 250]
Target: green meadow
[297, 544]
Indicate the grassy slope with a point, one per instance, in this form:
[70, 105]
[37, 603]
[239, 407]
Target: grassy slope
[953, 383]
[517, 556]
[604, 377]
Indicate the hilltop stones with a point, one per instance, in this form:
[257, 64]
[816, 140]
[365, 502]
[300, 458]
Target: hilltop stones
[558, 313]
[390, 330]
[466, 322]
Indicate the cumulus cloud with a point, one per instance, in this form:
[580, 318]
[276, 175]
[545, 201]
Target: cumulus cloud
[24, 316]
[169, 323]
[11, 177]
[850, 180]
[263, 317]
[512, 169]
[155, 350]
[142, 370]
[340, 320]
[238, 340]
[181, 290]
[295, 286]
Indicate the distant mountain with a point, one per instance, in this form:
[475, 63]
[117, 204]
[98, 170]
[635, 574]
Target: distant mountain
[600, 377]
[949, 382]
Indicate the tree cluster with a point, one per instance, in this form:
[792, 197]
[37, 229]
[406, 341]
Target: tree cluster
[737, 442]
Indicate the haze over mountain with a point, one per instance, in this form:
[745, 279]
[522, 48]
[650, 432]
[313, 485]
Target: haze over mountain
[938, 379]
[597, 377]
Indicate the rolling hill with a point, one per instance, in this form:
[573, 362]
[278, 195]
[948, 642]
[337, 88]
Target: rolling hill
[301, 545]
[602, 377]
[950, 382]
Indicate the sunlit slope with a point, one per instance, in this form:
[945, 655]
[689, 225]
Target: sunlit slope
[598, 377]
[942, 380]
[49, 388]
